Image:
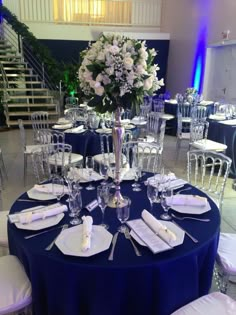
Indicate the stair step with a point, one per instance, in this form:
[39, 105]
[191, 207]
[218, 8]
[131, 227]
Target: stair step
[25, 89]
[25, 82]
[17, 69]
[4, 45]
[20, 75]
[13, 62]
[10, 56]
[21, 105]
[30, 96]
[50, 113]
[29, 122]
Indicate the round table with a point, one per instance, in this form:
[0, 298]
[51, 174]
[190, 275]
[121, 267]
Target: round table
[150, 284]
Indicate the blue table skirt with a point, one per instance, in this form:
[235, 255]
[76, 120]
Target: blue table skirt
[225, 134]
[150, 284]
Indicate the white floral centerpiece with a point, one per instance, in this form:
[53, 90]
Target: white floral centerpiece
[117, 71]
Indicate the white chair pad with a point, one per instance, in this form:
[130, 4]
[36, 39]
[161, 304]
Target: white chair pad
[15, 287]
[185, 135]
[75, 158]
[206, 144]
[215, 303]
[226, 254]
[110, 157]
[186, 119]
[167, 116]
[31, 148]
[3, 228]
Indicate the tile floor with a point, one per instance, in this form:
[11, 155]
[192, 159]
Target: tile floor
[14, 186]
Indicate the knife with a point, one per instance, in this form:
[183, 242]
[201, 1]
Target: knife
[187, 233]
[113, 246]
[49, 230]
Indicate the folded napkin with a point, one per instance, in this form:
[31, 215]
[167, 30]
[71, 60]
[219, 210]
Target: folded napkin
[39, 213]
[64, 126]
[157, 227]
[173, 181]
[125, 121]
[138, 120]
[187, 200]
[48, 189]
[75, 130]
[83, 175]
[86, 233]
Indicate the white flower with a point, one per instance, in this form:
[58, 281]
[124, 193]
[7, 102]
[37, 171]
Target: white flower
[99, 77]
[114, 49]
[147, 84]
[128, 62]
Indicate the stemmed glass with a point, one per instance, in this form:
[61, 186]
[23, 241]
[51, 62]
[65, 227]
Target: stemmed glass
[89, 166]
[103, 195]
[152, 194]
[137, 168]
[58, 187]
[103, 170]
[122, 213]
[166, 192]
[75, 205]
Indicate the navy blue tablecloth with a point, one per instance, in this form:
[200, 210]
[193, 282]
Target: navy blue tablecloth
[225, 134]
[150, 284]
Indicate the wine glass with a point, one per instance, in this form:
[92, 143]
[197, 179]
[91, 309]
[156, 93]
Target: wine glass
[103, 170]
[89, 166]
[152, 194]
[75, 205]
[122, 213]
[103, 195]
[58, 187]
[166, 193]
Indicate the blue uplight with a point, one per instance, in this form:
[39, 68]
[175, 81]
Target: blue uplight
[199, 63]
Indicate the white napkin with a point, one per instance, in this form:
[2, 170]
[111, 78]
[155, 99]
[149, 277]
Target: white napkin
[64, 126]
[63, 121]
[160, 229]
[174, 182]
[38, 214]
[187, 200]
[75, 130]
[125, 121]
[87, 232]
[138, 120]
[83, 175]
[48, 189]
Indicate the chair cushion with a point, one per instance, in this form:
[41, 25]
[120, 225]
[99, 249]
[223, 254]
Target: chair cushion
[215, 303]
[110, 157]
[3, 228]
[75, 158]
[15, 287]
[226, 254]
[206, 144]
[31, 148]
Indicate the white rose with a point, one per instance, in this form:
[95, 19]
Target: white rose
[99, 90]
[147, 84]
[114, 50]
[97, 84]
[101, 56]
[106, 80]
[92, 83]
[128, 63]
[140, 70]
[99, 77]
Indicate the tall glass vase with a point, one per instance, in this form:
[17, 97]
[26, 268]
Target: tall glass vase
[118, 135]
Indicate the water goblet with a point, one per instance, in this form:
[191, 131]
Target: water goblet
[136, 185]
[166, 193]
[89, 166]
[103, 195]
[75, 205]
[152, 194]
[103, 170]
[58, 187]
[123, 212]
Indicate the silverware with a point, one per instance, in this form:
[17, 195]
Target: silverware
[185, 189]
[187, 233]
[114, 239]
[28, 200]
[128, 236]
[40, 233]
[49, 247]
[190, 218]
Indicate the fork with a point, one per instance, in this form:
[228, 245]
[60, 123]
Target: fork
[190, 218]
[128, 236]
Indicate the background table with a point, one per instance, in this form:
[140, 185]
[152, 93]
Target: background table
[225, 134]
[150, 284]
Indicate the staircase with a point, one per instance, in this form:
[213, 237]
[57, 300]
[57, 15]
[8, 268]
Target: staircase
[24, 92]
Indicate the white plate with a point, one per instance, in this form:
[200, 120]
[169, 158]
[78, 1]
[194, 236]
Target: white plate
[191, 209]
[172, 227]
[217, 117]
[104, 130]
[63, 121]
[73, 130]
[41, 224]
[38, 195]
[69, 241]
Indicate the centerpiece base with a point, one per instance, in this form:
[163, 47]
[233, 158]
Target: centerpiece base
[117, 200]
